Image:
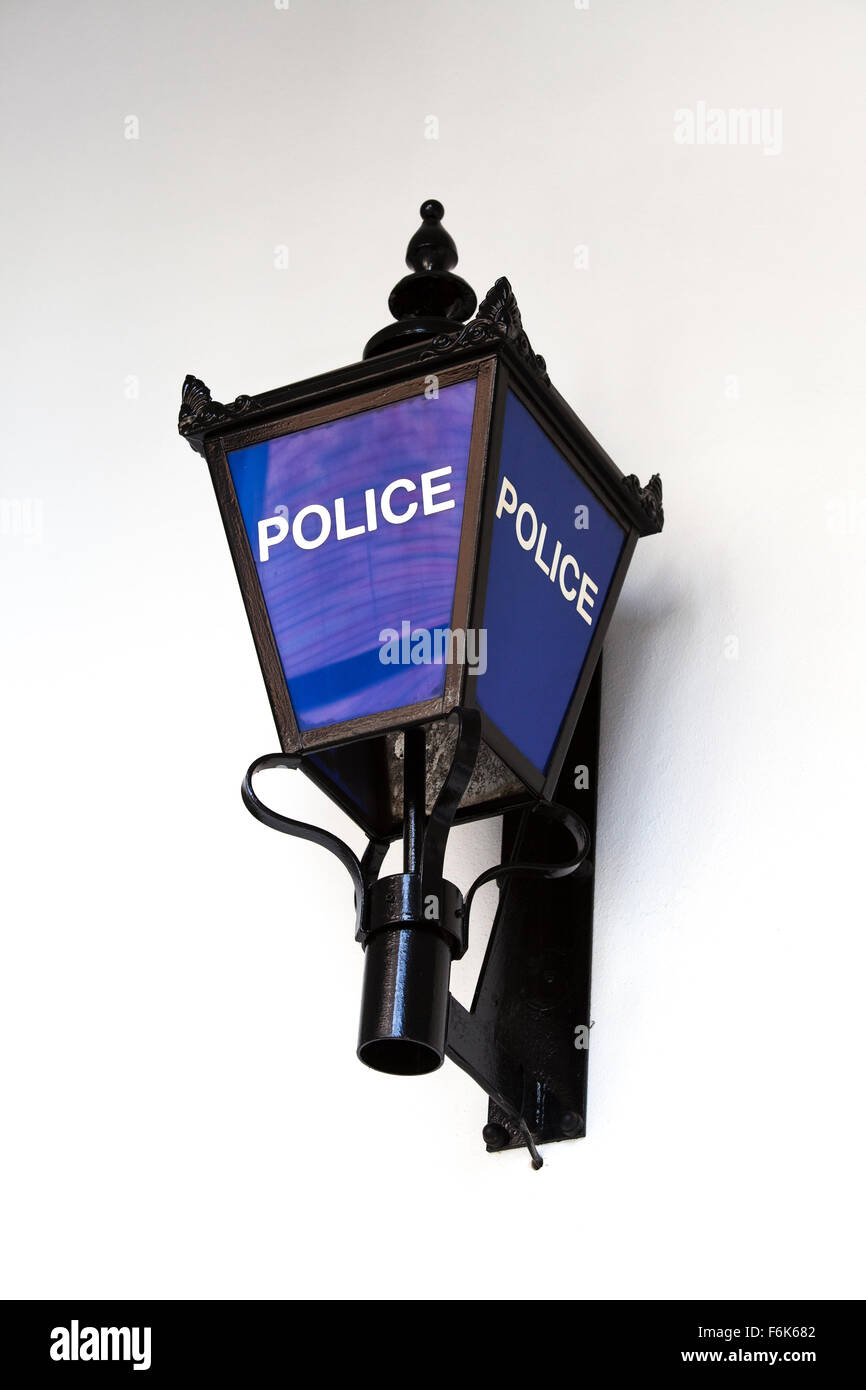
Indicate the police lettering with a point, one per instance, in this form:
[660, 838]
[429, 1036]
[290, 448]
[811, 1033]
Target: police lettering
[312, 525]
[561, 569]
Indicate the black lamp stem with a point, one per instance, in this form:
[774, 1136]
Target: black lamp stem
[414, 786]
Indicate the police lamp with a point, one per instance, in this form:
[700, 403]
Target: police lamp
[430, 545]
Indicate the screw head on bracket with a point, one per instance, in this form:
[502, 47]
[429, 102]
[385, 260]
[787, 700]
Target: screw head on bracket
[570, 1123]
[495, 1136]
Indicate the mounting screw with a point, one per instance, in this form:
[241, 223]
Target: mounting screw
[570, 1123]
[495, 1136]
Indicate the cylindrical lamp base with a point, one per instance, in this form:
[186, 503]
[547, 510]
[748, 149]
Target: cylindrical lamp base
[404, 1004]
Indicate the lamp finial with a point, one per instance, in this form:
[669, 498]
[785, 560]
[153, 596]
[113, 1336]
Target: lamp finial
[431, 300]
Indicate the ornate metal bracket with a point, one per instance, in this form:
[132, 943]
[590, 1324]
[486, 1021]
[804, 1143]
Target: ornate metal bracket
[649, 497]
[198, 409]
[409, 1019]
[360, 871]
[498, 317]
[525, 1040]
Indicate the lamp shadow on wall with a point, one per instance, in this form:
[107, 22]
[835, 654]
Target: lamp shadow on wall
[638, 688]
[642, 684]
[471, 849]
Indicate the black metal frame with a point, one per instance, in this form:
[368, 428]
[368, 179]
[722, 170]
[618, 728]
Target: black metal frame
[292, 739]
[494, 349]
[529, 393]
[518, 1041]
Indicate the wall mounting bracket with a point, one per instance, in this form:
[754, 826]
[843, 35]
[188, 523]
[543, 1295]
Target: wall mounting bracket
[525, 1038]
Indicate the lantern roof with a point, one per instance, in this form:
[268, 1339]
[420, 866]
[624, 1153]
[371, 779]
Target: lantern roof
[422, 337]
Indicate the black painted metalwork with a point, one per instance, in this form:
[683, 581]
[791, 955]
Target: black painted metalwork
[529, 1028]
[303, 830]
[413, 926]
[554, 812]
[411, 935]
[525, 1038]
[432, 300]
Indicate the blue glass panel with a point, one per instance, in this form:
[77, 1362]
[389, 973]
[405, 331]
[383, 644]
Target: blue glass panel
[354, 527]
[554, 553]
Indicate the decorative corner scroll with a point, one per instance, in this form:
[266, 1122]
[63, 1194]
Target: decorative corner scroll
[649, 497]
[498, 317]
[198, 409]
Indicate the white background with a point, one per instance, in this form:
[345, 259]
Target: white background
[182, 1110]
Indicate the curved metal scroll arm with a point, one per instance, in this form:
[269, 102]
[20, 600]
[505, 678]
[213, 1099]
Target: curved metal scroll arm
[362, 872]
[576, 828]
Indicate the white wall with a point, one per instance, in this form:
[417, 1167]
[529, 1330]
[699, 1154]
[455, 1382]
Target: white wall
[183, 1112]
